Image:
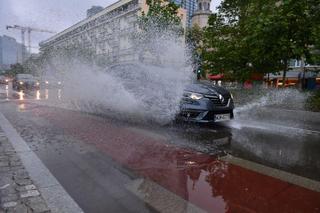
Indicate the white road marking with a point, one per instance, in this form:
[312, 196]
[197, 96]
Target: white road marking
[239, 124]
[160, 198]
[275, 173]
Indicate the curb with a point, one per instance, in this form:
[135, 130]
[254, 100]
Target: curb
[57, 199]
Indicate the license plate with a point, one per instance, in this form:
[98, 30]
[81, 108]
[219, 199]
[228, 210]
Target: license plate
[222, 117]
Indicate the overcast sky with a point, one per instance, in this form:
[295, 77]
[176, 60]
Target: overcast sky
[54, 15]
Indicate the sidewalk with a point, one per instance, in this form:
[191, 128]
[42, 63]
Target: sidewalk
[17, 191]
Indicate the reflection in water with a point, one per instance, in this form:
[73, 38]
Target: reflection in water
[298, 154]
[59, 94]
[21, 95]
[203, 179]
[21, 107]
[46, 94]
[7, 92]
[38, 95]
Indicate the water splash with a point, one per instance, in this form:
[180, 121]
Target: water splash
[285, 98]
[146, 89]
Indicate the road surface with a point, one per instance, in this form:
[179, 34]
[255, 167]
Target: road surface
[111, 165]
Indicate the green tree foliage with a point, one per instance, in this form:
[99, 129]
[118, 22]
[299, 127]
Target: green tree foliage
[15, 69]
[161, 16]
[248, 36]
[194, 43]
[161, 22]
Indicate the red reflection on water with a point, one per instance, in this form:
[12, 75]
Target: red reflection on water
[213, 185]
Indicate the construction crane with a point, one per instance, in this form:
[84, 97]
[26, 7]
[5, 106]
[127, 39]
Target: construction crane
[28, 30]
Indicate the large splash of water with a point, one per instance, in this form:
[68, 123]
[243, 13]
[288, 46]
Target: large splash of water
[285, 98]
[136, 90]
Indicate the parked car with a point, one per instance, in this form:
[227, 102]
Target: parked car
[25, 81]
[204, 102]
[4, 79]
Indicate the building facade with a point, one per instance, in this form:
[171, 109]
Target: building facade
[10, 52]
[107, 33]
[190, 6]
[201, 15]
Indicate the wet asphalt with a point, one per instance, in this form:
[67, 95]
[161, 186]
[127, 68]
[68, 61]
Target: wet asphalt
[99, 159]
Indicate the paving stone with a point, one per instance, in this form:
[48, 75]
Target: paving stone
[26, 188]
[21, 208]
[23, 182]
[4, 163]
[8, 190]
[9, 198]
[5, 169]
[3, 157]
[15, 163]
[20, 174]
[30, 193]
[17, 192]
[9, 204]
[30, 187]
[14, 158]
[37, 205]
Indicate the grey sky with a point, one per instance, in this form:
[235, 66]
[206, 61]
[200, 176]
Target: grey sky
[54, 15]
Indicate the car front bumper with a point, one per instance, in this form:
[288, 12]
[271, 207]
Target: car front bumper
[204, 110]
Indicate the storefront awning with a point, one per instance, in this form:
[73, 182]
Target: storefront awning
[216, 77]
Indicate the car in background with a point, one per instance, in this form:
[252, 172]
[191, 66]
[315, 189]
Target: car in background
[206, 103]
[4, 79]
[25, 81]
[50, 82]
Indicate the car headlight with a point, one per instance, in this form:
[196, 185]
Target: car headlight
[193, 95]
[47, 82]
[20, 82]
[7, 80]
[59, 82]
[37, 83]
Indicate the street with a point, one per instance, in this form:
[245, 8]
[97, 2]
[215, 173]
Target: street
[112, 165]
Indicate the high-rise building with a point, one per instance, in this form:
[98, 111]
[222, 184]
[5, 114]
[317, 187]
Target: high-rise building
[10, 51]
[190, 6]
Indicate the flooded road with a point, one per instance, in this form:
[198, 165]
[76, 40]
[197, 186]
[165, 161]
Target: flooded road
[111, 165]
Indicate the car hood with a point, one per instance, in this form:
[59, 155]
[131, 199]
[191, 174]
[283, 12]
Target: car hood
[205, 88]
[28, 80]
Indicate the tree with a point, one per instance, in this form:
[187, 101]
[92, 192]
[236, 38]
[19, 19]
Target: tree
[194, 41]
[224, 51]
[15, 69]
[282, 31]
[248, 36]
[159, 24]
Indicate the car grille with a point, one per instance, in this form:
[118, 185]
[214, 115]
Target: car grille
[216, 100]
